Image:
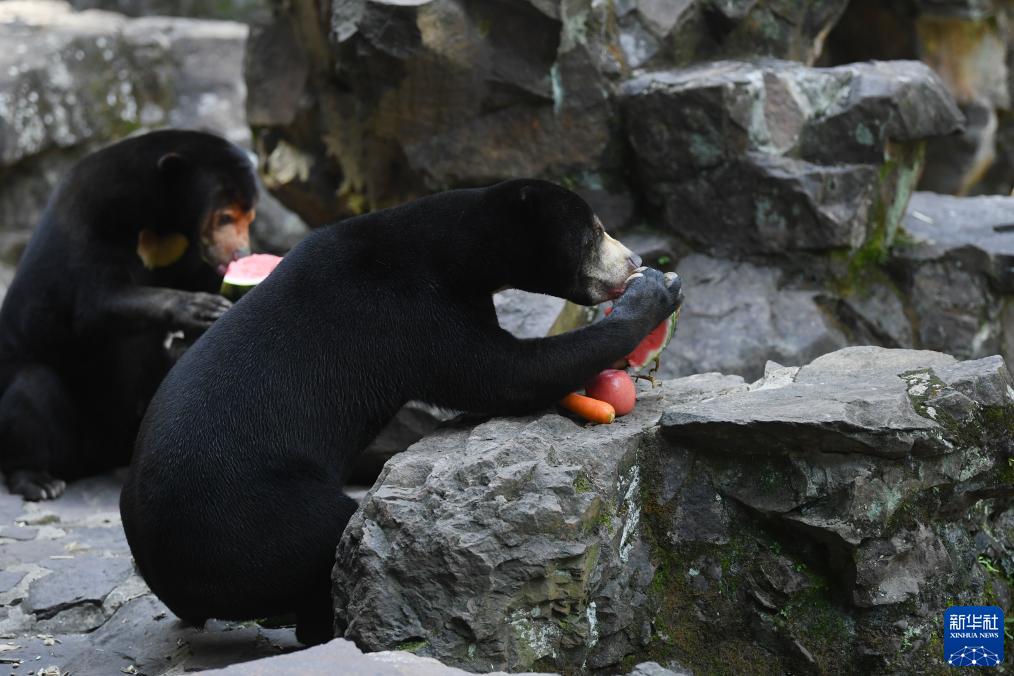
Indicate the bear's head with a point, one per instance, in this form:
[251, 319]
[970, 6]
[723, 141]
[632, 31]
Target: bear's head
[205, 193]
[573, 257]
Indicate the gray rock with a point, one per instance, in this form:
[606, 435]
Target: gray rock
[977, 232]
[234, 10]
[440, 94]
[955, 163]
[842, 413]
[18, 533]
[97, 592]
[771, 157]
[534, 315]
[531, 557]
[343, 657]
[715, 507]
[76, 619]
[10, 579]
[76, 581]
[736, 316]
[872, 312]
[655, 669]
[957, 271]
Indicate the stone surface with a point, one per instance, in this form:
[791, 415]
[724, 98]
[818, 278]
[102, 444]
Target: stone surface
[775, 157]
[231, 10]
[107, 622]
[828, 513]
[737, 316]
[534, 315]
[956, 272]
[977, 231]
[971, 46]
[77, 581]
[342, 657]
[529, 558]
[414, 96]
[71, 600]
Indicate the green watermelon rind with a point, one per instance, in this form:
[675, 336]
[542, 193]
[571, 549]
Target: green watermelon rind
[234, 291]
[235, 285]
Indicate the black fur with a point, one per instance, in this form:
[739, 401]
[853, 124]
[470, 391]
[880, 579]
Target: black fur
[83, 325]
[234, 504]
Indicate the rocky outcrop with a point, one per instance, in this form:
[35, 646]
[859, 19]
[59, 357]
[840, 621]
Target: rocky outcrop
[970, 44]
[228, 10]
[819, 519]
[779, 159]
[339, 657]
[775, 187]
[418, 96]
[957, 270]
[740, 315]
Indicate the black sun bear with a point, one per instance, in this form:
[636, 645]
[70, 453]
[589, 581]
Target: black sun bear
[132, 245]
[233, 507]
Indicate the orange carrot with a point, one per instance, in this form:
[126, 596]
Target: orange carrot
[590, 409]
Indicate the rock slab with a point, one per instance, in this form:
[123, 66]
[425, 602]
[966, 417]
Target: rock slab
[828, 513]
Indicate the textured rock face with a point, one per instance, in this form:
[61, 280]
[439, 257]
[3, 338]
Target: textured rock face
[870, 491]
[531, 554]
[971, 46]
[414, 96]
[737, 316]
[956, 270]
[230, 10]
[828, 513]
[791, 179]
[342, 657]
[778, 158]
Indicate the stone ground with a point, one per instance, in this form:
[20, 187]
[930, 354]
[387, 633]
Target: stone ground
[72, 603]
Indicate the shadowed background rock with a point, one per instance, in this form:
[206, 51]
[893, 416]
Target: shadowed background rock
[740, 131]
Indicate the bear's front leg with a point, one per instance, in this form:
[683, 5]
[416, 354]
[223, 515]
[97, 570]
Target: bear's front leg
[484, 369]
[140, 308]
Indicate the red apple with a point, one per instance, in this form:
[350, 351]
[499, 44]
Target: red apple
[614, 387]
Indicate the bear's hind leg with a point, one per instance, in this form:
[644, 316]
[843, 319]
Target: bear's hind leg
[315, 621]
[37, 433]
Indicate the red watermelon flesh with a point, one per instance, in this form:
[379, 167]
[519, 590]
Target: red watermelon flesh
[647, 351]
[245, 273]
[251, 269]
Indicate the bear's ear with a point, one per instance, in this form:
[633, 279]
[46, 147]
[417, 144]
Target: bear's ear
[171, 164]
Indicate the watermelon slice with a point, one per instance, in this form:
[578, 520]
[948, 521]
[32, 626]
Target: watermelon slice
[649, 349]
[246, 273]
